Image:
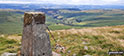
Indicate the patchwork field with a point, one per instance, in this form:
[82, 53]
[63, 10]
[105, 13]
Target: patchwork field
[11, 21]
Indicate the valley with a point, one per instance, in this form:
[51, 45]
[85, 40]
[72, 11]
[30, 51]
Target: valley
[80, 30]
[11, 20]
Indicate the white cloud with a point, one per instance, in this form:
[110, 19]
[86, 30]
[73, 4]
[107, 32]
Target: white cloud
[109, 0]
[15, 2]
[74, 2]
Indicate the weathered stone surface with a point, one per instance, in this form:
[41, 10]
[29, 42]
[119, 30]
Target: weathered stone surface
[35, 40]
[38, 17]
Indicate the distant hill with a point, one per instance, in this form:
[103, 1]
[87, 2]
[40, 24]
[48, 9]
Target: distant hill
[11, 21]
[86, 18]
[55, 6]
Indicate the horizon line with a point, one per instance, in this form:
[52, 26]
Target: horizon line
[62, 4]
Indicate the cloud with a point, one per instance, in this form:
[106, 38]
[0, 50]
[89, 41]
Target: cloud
[15, 2]
[74, 2]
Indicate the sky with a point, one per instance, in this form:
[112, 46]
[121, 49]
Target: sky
[72, 2]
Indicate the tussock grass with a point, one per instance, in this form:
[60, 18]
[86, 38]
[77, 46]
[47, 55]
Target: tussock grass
[100, 39]
[8, 45]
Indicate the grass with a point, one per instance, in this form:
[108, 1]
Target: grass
[8, 45]
[60, 27]
[99, 41]
[10, 22]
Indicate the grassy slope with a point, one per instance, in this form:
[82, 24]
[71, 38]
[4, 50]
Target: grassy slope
[95, 17]
[11, 21]
[8, 45]
[100, 40]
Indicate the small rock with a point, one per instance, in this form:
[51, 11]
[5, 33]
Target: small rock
[87, 55]
[20, 43]
[9, 54]
[85, 43]
[60, 48]
[85, 47]
[2, 35]
[69, 51]
[56, 54]
[74, 54]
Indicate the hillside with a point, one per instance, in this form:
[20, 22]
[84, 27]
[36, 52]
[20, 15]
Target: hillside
[96, 41]
[11, 21]
[88, 18]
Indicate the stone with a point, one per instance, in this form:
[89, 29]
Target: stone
[74, 54]
[56, 54]
[84, 43]
[9, 54]
[87, 55]
[85, 47]
[35, 39]
[2, 35]
[69, 51]
[38, 17]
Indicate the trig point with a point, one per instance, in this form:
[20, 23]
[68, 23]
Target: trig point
[35, 39]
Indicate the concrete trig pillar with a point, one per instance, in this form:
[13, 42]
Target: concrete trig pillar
[35, 39]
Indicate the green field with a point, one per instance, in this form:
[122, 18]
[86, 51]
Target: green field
[11, 21]
[8, 45]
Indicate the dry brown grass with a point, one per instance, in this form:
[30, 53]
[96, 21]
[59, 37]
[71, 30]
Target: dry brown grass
[101, 38]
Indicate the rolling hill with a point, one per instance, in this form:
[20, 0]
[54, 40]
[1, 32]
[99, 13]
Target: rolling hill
[11, 21]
